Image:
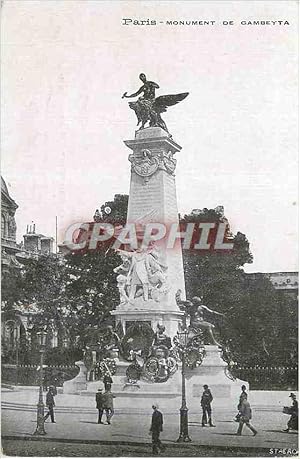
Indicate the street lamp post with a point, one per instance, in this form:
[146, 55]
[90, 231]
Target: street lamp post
[184, 428]
[40, 429]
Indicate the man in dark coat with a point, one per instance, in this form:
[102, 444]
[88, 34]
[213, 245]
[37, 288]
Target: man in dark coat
[50, 404]
[246, 415]
[293, 421]
[99, 405]
[155, 429]
[206, 400]
[108, 405]
[243, 396]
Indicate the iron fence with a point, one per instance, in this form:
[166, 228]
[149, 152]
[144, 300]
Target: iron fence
[268, 378]
[27, 375]
[259, 377]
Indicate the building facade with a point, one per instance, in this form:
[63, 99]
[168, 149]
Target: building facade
[17, 320]
[285, 282]
[9, 246]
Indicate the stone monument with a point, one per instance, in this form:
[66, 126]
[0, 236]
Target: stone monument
[152, 199]
[151, 275]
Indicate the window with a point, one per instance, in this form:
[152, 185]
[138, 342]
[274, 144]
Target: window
[3, 226]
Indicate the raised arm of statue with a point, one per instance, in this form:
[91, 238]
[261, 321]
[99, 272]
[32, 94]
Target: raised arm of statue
[134, 94]
[211, 310]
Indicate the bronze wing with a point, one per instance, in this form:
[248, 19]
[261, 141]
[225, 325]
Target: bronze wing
[161, 103]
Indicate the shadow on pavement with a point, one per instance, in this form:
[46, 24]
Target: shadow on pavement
[131, 436]
[280, 431]
[89, 422]
[231, 422]
[271, 441]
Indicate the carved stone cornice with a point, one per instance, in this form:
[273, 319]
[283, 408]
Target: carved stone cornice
[146, 162]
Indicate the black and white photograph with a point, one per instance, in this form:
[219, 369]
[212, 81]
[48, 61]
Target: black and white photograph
[149, 228]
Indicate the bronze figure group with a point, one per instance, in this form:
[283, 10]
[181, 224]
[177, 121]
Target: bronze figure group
[148, 108]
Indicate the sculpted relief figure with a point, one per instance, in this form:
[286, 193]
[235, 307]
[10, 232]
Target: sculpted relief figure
[161, 340]
[138, 274]
[141, 273]
[148, 107]
[196, 310]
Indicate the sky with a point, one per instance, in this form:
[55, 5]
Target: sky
[65, 65]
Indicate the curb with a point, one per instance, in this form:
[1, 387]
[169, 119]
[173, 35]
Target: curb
[129, 443]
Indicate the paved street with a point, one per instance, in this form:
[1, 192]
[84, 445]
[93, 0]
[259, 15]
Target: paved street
[47, 448]
[76, 421]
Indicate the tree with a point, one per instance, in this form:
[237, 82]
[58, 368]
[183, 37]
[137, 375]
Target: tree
[115, 211]
[91, 288]
[252, 328]
[11, 287]
[43, 283]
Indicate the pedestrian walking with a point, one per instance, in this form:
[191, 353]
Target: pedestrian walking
[293, 411]
[107, 381]
[206, 400]
[246, 415]
[99, 405]
[243, 396]
[108, 405]
[50, 404]
[155, 429]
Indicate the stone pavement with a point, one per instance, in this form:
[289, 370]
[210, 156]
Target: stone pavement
[76, 420]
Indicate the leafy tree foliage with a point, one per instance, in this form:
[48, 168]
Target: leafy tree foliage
[43, 283]
[253, 329]
[10, 287]
[115, 211]
[91, 290]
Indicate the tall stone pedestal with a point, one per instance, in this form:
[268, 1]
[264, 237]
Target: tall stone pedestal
[152, 199]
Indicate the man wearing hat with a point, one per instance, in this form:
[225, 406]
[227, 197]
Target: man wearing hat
[206, 400]
[155, 429]
[50, 403]
[293, 421]
[99, 405]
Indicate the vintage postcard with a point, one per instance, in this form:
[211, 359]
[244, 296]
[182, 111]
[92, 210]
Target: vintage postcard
[149, 228]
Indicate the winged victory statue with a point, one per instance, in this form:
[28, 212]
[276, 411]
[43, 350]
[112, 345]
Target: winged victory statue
[148, 107]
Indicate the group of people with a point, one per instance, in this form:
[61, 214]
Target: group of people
[105, 400]
[244, 414]
[244, 410]
[104, 403]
